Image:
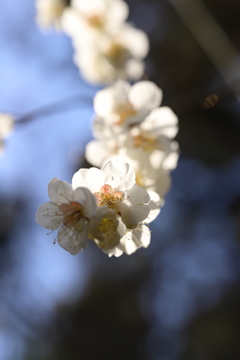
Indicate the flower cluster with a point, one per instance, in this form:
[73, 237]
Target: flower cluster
[6, 126]
[134, 137]
[49, 12]
[106, 47]
[130, 124]
[106, 206]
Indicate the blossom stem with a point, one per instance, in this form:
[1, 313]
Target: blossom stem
[60, 105]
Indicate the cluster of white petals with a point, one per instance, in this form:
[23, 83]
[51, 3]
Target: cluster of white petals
[106, 206]
[106, 47]
[6, 126]
[134, 138]
[130, 124]
[49, 12]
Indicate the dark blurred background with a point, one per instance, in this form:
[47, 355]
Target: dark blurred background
[176, 300]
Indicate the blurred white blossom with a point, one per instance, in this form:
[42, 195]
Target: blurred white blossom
[6, 127]
[112, 56]
[121, 105]
[152, 139]
[130, 125]
[49, 12]
[84, 20]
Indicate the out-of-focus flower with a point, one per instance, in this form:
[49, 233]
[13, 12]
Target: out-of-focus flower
[69, 211]
[6, 127]
[114, 186]
[152, 138]
[121, 105]
[49, 12]
[147, 145]
[113, 56]
[84, 20]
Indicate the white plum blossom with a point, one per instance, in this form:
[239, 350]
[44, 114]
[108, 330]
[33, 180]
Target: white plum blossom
[49, 12]
[152, 139]
[147, 145]
[151, 179]
[121, 105]
[70, 211]
[141, 235]
[114, 186]
[112, 56]
[84, 20]
[119, 225]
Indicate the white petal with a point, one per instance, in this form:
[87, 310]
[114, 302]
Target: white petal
[120, 92]
[137, 195]
[72, 240]
[129, 245]
[103, 102]
[164, 119]
[119, 175]
[145, 94]
[143, 235]
[59, 191]
[154, 205]
[101, 129]
[136, 41]
[92, 179]
[135, 239]
[163, 183]
[71, 22]
[83, 196]
[170, 162]
[134, 69]
[156, 158]
[133, 214]
[49, 216]
[97, 152]
[114, 252]
[117, 12]
[88, 7]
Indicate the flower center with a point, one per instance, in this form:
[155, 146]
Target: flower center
[123, 111]
[116, 54]
[107, 196]
[145, 141]
[107, 226]
[73, 214]
[95, 21]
